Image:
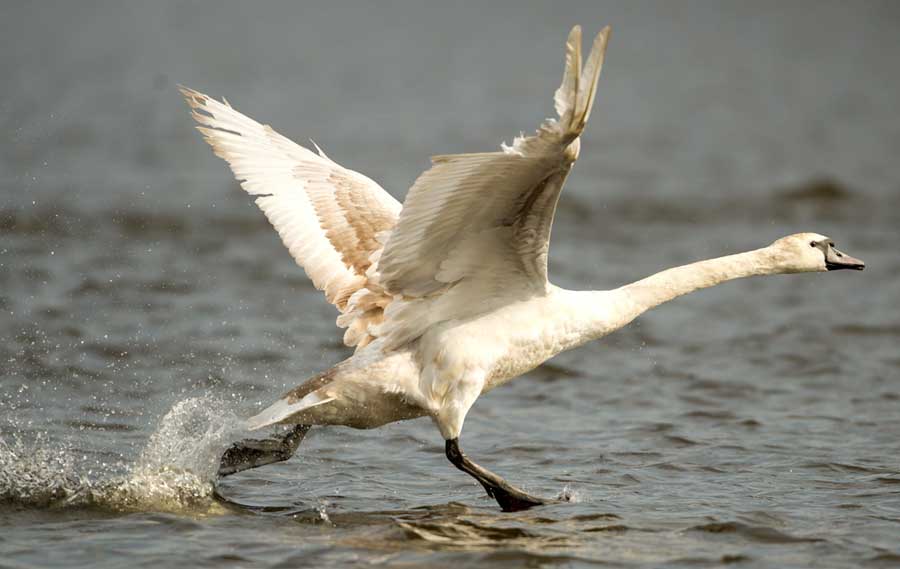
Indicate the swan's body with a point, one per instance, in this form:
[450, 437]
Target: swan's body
[452, 363]
[447, 296]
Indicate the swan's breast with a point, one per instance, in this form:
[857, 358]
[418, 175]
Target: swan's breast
[506, 342]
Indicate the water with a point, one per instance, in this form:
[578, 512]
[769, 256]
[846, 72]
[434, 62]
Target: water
[147, 306]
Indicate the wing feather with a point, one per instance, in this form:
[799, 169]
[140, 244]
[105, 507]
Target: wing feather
[330, 218]
[474, 230]
[470, 194]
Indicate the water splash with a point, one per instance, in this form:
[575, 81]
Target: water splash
[175, 472]
[570, 494]
[36, 474]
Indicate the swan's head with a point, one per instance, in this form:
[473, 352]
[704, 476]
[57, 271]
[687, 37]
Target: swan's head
[811, 252]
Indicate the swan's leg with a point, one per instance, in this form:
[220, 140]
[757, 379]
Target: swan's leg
[253, 453]
[510, 498]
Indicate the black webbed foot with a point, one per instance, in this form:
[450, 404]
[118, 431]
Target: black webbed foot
[510, 498]
[253, 453]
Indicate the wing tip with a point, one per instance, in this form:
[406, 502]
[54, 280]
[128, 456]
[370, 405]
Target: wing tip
[602, 39]
[575, 96]
[592, 75]
[195, 99]
[575, 33]
[198, 102]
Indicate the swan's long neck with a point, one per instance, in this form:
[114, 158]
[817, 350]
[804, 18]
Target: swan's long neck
[672, 283]
[576, 317]
[593, 314]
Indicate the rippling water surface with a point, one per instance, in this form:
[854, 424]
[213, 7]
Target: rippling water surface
[147, 305]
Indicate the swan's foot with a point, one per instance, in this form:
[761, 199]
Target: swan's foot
[253, 453]
[510, 498]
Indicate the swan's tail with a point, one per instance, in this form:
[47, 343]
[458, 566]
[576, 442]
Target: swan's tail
[285, 408]
[575, 96]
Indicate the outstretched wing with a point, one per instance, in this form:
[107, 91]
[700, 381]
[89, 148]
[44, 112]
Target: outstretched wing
[332, 220]
[480, 223]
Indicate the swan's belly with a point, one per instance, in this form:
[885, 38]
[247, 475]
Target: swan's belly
[367, 393]
[365, 409]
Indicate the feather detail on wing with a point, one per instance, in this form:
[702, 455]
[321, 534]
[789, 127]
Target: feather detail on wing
[476, 227]
[331, 219]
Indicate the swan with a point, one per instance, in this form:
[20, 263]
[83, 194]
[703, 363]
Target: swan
[446, 297]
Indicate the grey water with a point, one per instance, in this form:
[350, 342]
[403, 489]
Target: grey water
[146, 306]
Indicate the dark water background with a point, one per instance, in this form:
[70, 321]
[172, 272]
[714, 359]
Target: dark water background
[146, 304]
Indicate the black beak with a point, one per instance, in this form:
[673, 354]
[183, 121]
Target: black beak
[835, 260]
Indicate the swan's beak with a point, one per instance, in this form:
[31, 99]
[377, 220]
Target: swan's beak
[835, 260]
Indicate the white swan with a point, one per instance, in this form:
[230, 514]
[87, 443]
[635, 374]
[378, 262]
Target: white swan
[447, 296]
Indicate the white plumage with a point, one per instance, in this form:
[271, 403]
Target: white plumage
[330, 218]
[448, 296]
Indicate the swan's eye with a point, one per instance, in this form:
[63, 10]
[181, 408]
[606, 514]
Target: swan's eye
[812, 243]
